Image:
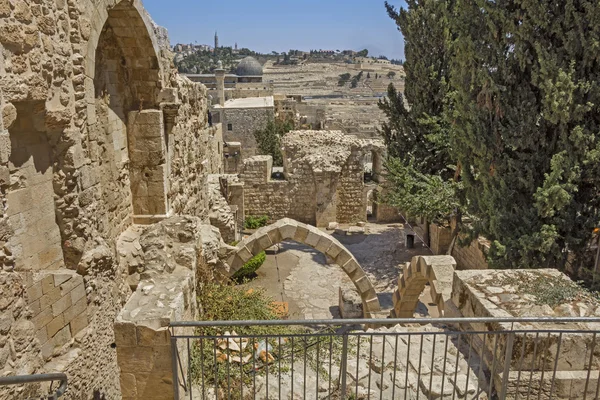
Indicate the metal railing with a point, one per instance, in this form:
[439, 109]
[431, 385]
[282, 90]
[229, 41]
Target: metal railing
[25, 379]
[460, 358]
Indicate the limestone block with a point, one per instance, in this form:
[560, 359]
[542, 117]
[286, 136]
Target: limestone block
[78, 323]
[312, 239]
[301, 234]
[343, 257]
[324, 244]
[351, 266]
[275, 236]
[334, 249]
[125, 334]
[55, 325]
[287, 231]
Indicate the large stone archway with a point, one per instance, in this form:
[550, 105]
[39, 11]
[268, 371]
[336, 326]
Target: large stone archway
[306, 234]
[438, 271]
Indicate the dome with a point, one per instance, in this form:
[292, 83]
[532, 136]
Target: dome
[249, 66]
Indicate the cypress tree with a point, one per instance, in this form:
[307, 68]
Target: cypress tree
[415, 130]
[526, 118]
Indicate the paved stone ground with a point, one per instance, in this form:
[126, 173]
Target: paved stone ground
[300, 275]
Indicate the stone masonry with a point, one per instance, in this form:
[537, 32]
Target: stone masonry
[97, 132]
[324, 179]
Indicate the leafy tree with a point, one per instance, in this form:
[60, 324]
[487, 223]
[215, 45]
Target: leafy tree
[391, 74]
[363, 53]
[368, 75]
[269, 139]
[420, 172]
[525, 117]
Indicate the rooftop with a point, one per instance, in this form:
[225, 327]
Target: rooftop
[249, 102]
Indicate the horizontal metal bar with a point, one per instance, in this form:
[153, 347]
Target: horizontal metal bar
[386, 321]
[375, 333]
[23, 379]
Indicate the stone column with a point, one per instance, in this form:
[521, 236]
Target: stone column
[220, 75]
[148, 157]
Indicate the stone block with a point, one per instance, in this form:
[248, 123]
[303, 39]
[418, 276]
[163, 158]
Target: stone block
[34, 292]
[76, 309]
[244, 254]
[78, 323]
[50, 298]
[362, 284]
[343, 258]
[263, 242]
[77, 293]
[62, 337]
[301, 234]
[61, 305]
[55, 325]
[125, 334]
[287, 231]
[47, 283]
[152, 337]
[135, 359]
[312, 238]
[275, 236]
[43, 318]
[351, 266]
[334, 250]
[323, 244]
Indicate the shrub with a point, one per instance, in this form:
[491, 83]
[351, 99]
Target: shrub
[256, 222]
[249, 269]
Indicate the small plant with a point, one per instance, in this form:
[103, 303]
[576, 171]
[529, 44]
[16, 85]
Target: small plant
[256, 222]
[248, 271]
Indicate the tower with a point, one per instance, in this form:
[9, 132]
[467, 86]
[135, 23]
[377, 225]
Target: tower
[236, 46]
[216, 41]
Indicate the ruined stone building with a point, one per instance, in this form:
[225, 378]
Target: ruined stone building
[98, 133]
[329, 177]
[240, 118]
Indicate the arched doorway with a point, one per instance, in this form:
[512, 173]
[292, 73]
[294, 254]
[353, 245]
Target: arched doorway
[125, 127]
[290, 229]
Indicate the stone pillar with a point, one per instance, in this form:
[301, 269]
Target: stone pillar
[220, 75]
[149, 168]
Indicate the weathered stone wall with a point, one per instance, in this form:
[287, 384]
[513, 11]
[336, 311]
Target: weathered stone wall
[440, 238]
[71, 74]
[324, 183]
[243, 123]
[472, 256]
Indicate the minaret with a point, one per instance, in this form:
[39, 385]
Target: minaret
[220, 77]
[216, 41]
[236, 46]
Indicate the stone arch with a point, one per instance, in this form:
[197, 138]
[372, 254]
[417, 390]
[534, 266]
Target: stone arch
[438, 271]
[126, 134]
[306, 234]
[135, 33]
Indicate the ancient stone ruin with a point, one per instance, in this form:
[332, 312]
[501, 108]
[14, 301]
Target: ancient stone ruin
[116, 208]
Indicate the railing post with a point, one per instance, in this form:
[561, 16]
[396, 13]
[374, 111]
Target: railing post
[507, 361]
[174, 365]
[344, 365]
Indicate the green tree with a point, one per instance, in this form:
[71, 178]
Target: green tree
[420, 172]
[363, 53]
[525, 118]
[269, 138]
[391, 74]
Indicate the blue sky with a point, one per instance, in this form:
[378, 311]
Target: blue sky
[267, 25]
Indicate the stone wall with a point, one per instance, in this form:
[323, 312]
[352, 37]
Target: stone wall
[324, 179]
[72, 76]
[239, 125]
[472, 256]
[440, 239]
